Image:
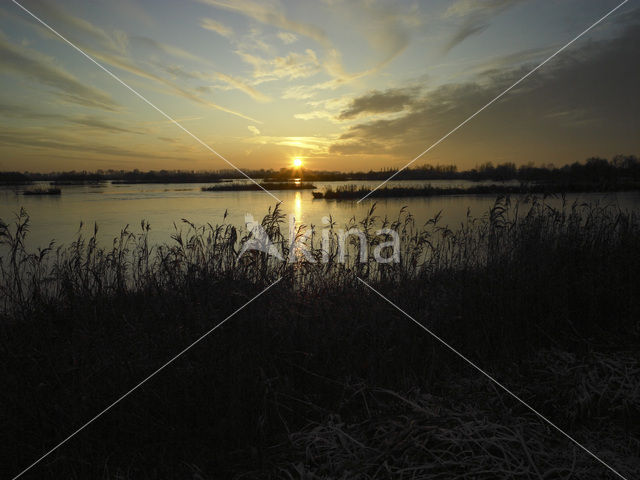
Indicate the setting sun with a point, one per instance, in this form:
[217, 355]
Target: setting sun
[297, 162]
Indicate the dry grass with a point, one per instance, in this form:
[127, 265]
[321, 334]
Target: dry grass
[355, 192]
[319, 379]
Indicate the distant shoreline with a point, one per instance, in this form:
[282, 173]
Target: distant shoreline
[620, 168]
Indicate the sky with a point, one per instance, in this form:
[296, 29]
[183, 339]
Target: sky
[343, 85]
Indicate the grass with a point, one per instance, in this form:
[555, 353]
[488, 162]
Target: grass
[319, 378]
[241, 187]
[350, 192]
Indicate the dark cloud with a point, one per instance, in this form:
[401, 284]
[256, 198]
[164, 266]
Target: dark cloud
[586, 98]
[468, 28]
[476, 17]
[392, 100]
[39, 68]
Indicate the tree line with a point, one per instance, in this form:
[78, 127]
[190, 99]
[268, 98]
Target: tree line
[620, 168]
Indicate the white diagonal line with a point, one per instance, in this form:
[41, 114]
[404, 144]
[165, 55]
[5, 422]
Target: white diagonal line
[149, 377]
[434, 335]
[143, 98]
[496, 98]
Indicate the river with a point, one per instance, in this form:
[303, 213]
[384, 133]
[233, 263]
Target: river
[112, 207]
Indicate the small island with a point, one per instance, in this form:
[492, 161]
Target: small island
[354, 192]
[43, 191]
[243, 187]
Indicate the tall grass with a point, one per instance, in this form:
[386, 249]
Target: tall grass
[523, 232]
[319, 379]
[356, 192]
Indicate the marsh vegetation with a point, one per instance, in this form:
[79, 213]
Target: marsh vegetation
[320, 378]
[251, 186]
[356, 192]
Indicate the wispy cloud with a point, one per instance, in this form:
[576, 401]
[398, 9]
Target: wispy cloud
[127, 65]
[287, 37]
[149, 45]
[238, 84]
[114, 51]
[48, 139]
[315, 114]
[314, 144]
[215, 26]
[270, 14]
[387, 38]
[475, 18]
[40, 68]
[292, 66]
[78, 29]
[92, 122]
[227, 82]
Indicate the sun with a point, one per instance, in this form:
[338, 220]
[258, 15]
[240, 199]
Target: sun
[297, 162]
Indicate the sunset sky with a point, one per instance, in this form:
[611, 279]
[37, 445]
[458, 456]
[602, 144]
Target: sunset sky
[345, 85]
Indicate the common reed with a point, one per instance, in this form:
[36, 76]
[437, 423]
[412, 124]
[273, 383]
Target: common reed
[355, 192]
[319, 378]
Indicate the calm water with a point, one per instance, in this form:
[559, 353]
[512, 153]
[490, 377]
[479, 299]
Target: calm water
[114, 206]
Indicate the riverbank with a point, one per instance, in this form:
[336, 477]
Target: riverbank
[319, 377]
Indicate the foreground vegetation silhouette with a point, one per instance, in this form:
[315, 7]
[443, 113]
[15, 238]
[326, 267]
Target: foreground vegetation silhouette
[319, 378]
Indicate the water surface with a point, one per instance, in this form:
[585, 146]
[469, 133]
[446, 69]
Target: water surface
[112, 207]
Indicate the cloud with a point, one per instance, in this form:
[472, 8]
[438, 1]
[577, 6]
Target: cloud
[292, 66]
[78, 29]
[563, 104]
[314, 115]
[387, 28]
[125, 64]
[89, 121]
[48, 140]
[237, 84]
[228, 82]
[271, 15]
[299, 92]
[463, 8]
[287, 37]
[153, 46]
[392, 100]
[476, 18]
[386, 34]
[253, 130]
[215, 26]
[42, 69]
[315, 144]
[98, 123]
[113, 50]
[304, 92]
[467, 29]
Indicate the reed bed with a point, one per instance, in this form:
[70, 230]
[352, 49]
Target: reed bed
[241, 187]
[319, 378]
[355, 192]
[42, 191]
